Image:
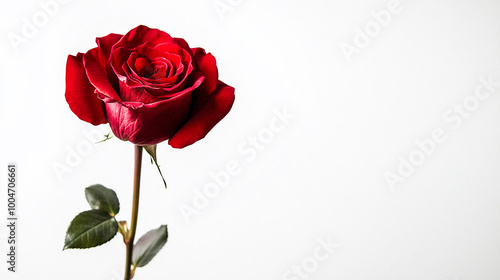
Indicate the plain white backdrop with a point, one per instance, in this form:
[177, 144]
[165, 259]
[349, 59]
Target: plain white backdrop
[365, 84]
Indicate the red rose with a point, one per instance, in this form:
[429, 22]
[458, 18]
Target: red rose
[149, 86]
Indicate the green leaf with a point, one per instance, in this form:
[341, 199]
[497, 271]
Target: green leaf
[148, 246]
[151, 149]
[90, 229]
[100, 197]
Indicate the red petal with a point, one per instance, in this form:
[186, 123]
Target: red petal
[148, 124]
[183, 44]
[142, 34]
[206, 118]
[95, 66]
[80, 93]
[207, 65]
[106, 43]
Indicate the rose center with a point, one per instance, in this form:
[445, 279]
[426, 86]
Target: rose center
[153, 70]
[160, 71]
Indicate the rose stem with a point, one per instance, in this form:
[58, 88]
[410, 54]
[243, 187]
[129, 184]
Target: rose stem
[135, 210]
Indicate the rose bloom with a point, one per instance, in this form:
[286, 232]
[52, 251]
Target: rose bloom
[149, 86]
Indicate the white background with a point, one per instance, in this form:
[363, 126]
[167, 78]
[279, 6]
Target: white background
[322, 175]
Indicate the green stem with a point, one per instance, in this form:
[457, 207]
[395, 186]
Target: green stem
[135, 211]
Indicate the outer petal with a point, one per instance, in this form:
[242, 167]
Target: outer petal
[207, 65]
[151, 123]
[80, 93]
[142, 34]
[183, 44]
[105, 45]
[95, 66]
[206, 118]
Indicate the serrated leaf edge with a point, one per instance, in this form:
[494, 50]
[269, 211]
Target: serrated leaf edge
[82, 248]
[107, 200]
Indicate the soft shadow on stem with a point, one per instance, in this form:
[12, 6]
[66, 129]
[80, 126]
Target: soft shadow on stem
[135, 211]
